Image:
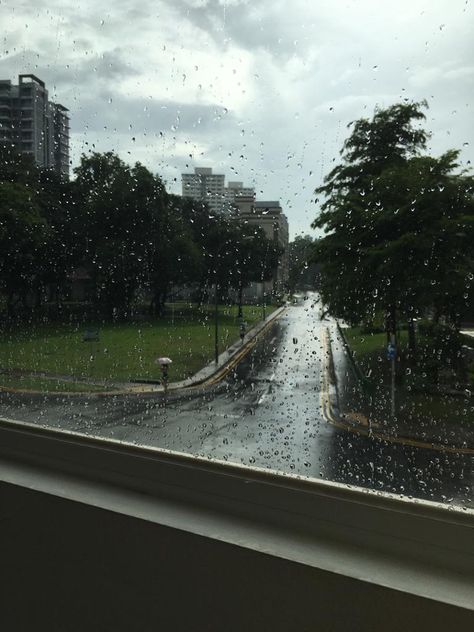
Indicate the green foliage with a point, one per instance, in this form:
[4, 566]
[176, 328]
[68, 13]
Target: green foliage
[125, 350]
[398, 225]
[118, 225]
[303, 272]
[23, 233]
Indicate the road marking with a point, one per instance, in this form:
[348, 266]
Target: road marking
[370, 432]
[227, 415]
[262, 397]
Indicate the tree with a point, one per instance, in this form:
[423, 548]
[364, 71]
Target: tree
[174, 256]
[303, 273]
[23, 233]
[122, 211]
[16, 167]
[396, 223]
[256, 258]
[54, 196]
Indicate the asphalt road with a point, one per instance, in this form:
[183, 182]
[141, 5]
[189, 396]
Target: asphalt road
[270, 412]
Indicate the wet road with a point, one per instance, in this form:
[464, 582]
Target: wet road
[271, 412]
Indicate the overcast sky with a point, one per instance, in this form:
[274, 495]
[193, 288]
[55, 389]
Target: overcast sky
[259, 90]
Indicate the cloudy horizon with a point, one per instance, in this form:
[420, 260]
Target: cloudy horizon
[262, 92]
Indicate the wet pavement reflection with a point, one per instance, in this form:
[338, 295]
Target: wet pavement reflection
[270, 412]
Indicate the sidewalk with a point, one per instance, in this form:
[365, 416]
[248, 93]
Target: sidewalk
[358, 407]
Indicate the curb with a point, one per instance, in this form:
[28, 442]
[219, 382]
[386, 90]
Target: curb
[205, 377]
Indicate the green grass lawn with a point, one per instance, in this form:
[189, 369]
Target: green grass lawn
[370, 353]
[35, 383]
[370, 350]
[126, 350]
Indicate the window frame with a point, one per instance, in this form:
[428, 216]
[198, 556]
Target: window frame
[414, 546]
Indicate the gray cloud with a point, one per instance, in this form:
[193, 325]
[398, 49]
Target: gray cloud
[291, 76]
[68, 71]
[132, 116]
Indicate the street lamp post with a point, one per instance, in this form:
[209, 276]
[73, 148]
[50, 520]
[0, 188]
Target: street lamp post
[216, 310]
[264, 313]
[216, 325]
[392, 354]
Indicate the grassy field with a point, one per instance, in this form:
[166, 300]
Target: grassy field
[371, 356]
[37, 383]
[370, 350]
[125, 351]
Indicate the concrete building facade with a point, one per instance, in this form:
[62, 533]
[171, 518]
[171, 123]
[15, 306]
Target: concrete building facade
[33, 124]
[269, 216]
[236, 195]
[206, 187]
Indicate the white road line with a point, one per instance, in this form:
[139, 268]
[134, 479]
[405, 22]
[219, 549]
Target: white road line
[227, 415]
[262, 397]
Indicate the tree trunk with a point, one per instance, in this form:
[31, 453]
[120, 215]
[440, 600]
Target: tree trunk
[411, 341]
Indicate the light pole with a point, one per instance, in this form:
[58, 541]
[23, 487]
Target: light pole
[216, 325]
[391, 356]
[216, 310]
[264, 265]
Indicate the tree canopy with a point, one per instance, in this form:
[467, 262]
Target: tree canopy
[398, 224]
[119, 226]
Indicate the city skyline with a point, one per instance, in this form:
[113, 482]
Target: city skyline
[247, 90]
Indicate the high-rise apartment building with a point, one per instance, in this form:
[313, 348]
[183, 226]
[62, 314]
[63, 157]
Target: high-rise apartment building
[208, 187]
[236, 195]
[205, 186]
[33, 124]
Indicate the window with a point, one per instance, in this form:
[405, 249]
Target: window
[338, 347]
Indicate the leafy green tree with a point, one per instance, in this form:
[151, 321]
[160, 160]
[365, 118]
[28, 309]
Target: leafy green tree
[121, 211]
[397, 224]
[16, 167]
[54, 196]
[175, 257]
[256, 258]
[303, 272]
[23, 233]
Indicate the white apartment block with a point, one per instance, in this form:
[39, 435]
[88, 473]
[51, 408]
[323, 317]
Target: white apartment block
[33, 124]
[205, 186]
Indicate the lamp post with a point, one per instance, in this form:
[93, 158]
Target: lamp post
[216, 310]
[264, 265]
[216, 325]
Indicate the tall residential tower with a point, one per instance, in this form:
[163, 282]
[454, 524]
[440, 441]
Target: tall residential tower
[205, 186]
[33, 124]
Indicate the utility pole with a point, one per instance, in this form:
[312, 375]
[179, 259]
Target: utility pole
[216, 326]
[392, 356]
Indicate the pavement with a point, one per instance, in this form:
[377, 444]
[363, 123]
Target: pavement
[276, 408]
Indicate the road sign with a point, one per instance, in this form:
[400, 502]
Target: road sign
[391, 351]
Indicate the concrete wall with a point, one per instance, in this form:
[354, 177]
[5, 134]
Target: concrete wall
[69, 566]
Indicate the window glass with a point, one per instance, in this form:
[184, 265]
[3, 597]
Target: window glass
[244, 231]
